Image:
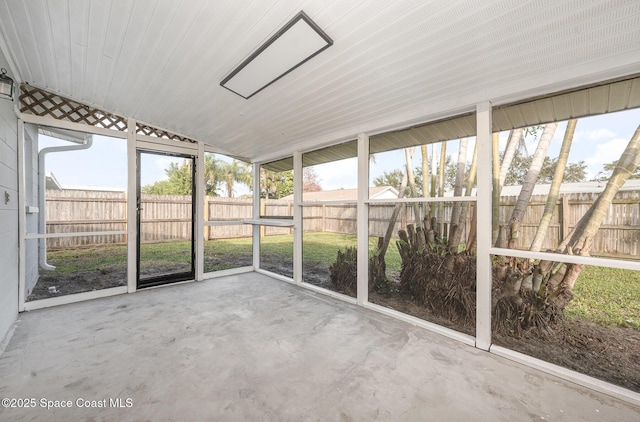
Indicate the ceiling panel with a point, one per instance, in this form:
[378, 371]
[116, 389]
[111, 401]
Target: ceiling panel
[161, 61]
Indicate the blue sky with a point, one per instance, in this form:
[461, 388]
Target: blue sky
[597, 140]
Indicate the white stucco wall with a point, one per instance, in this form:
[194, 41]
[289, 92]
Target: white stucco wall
[8, 214]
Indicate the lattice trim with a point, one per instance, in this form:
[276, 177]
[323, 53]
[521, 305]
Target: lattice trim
[42, 103]
[158, 133]
[39, 102]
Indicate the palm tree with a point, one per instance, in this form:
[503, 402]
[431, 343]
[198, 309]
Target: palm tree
[495, 211]
[514, 141]
[457, 191]
[233, 172]
[212, 174]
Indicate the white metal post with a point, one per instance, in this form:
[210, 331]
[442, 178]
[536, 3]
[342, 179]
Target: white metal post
[22, 220]
[484, 273]
[199, 211]
[132, 206]
[297, 217]
[363, 219]
[256, 215]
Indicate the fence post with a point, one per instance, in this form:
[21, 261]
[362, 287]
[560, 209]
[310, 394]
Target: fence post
[403, 221]
[324, 217]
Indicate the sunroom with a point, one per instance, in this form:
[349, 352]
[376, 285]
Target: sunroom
[320, 210]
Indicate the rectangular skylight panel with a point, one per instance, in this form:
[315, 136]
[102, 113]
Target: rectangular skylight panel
[296, 43]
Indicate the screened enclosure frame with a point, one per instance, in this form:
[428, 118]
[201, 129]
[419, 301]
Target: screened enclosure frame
[484, 127]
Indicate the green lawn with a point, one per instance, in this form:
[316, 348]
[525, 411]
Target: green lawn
[316, 247]
[69, 261]
[605, 296]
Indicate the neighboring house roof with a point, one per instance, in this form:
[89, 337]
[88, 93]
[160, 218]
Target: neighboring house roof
[51, 182]
[377, 192]
[93, 188]
[580, 187]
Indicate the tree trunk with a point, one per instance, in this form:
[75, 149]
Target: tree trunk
[457, 237]
[515, 137]
[457, 192]
[425, 178]
[473, 231]
[408, 154]
[529, 183]
[495, 219]
[443, 161]
[377, 266]
[554, 190]
[433, 181]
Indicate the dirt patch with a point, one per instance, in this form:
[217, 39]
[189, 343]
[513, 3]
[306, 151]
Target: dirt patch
[49, 286]
[222, 261]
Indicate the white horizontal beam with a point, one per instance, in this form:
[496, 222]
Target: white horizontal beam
[268, 222]
[424, 200]
[78, 127]
[74, 234]
[231, 271]
[331, 293]
[569, 259]
[336, 202]
[73, 298]
[165, 145]
[276, 276]
[224, 222]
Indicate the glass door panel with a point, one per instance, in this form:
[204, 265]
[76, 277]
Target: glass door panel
[165, 218]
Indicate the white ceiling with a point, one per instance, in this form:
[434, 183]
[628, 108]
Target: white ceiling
[392, 63]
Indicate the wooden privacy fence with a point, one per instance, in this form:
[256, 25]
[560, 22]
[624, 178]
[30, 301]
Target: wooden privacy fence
[619, 234]
[70, 211]
[167, 217]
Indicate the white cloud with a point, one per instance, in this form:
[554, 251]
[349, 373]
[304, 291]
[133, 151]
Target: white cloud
[602, 133]
[338, 174]
[504, 137]
[594, 135]
[163, 163]
[605, 153]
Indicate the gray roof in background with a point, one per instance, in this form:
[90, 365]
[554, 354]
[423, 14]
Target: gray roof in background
[580, 187]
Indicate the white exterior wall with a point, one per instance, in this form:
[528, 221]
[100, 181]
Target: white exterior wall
[8, 214]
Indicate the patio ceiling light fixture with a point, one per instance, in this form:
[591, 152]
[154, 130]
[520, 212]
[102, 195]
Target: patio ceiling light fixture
[6, 85]
[298, 41]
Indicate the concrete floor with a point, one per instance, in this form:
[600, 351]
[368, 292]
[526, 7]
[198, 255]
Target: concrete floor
[250, 348]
